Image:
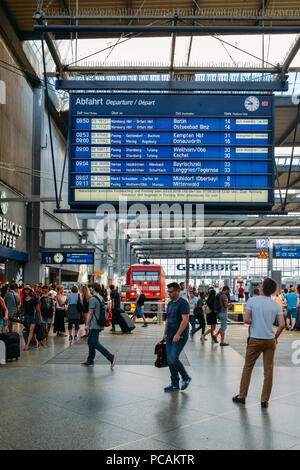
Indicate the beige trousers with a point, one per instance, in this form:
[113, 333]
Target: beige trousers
[254, 349]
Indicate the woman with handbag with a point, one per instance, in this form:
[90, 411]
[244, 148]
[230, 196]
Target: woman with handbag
[31, 310]
[74, 311]
[60, 312]
[211, 317]
[85, 293]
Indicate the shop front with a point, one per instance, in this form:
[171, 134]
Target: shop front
[13, 254]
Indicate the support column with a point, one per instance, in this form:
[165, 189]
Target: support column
[33, 272]
[187, 269]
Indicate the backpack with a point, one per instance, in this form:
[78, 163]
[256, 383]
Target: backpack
[104, 314]
[217, 303]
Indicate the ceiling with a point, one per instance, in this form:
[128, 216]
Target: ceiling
[224, 233]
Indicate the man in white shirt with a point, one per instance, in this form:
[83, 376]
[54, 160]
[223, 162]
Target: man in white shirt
[183, 292]
[246, 291]
[260, 313]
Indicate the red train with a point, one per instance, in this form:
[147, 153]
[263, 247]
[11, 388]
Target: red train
[148, 279]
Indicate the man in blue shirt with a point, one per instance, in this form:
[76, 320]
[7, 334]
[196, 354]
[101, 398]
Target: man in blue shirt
[292, 302]
[176, 335]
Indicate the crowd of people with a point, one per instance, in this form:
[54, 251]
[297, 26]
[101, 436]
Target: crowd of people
[50, 306]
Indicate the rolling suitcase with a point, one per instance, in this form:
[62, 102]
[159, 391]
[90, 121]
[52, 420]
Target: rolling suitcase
[12, 345]
[126, 324]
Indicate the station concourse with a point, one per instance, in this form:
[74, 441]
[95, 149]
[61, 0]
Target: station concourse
[143, 147]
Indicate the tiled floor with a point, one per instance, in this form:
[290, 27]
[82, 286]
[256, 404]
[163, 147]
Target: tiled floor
[48, 401]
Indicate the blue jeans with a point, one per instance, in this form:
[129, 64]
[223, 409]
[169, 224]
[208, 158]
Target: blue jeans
[93, 343]
[173, 352]
[192, 321]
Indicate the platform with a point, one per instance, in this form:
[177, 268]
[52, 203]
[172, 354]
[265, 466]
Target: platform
[48, 401]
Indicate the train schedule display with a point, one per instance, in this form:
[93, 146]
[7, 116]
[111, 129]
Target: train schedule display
[211, 149]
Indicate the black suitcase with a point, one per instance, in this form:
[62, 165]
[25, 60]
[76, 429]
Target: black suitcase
[126, 324]
[12, 345]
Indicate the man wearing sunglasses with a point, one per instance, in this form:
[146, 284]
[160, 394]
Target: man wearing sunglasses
[176, 335]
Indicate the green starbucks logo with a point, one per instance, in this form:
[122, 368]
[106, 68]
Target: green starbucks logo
[3, 205]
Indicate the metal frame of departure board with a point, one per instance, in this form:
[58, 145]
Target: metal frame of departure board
[116, 169]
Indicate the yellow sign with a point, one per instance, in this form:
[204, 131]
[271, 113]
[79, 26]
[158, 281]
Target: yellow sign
[238, 308]
[99, 272]
[262, 255]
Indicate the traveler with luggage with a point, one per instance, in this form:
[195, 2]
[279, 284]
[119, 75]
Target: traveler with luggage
[60, 312]
[139, 311]
[74, 312]
[176, 334]
[260, 313]
[95, 323]
[12, 303]
[115, 306]
[221, 305]
[47, 309]
[31, 309]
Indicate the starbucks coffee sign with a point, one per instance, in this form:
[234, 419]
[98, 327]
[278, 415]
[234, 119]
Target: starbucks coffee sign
[10, 230]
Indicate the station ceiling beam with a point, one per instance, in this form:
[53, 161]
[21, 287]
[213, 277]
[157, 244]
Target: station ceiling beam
[156, 30]
[159, 69]
[181, 18]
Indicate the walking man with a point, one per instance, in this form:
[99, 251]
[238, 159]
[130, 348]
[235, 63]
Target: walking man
[96, 310]
[176, 335]
[246, 292]
[221, 307]
[260, 314]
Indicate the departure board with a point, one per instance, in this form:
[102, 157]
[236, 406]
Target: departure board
[286, 251]
[188, 148]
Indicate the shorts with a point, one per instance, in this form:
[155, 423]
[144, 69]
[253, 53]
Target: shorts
[223, 319]
[47, 321]
[138, 311]
[1, 323]
[292, 313]
[75, 323]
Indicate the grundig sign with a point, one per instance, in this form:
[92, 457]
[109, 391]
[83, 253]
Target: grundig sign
[209, 267]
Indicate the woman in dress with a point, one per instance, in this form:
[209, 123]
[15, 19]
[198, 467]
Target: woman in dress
[31, 309]
[85, 295]
[60, 312]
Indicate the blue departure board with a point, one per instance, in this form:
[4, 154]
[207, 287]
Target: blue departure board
[214, 149]
[67, 258]
[286, 251]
